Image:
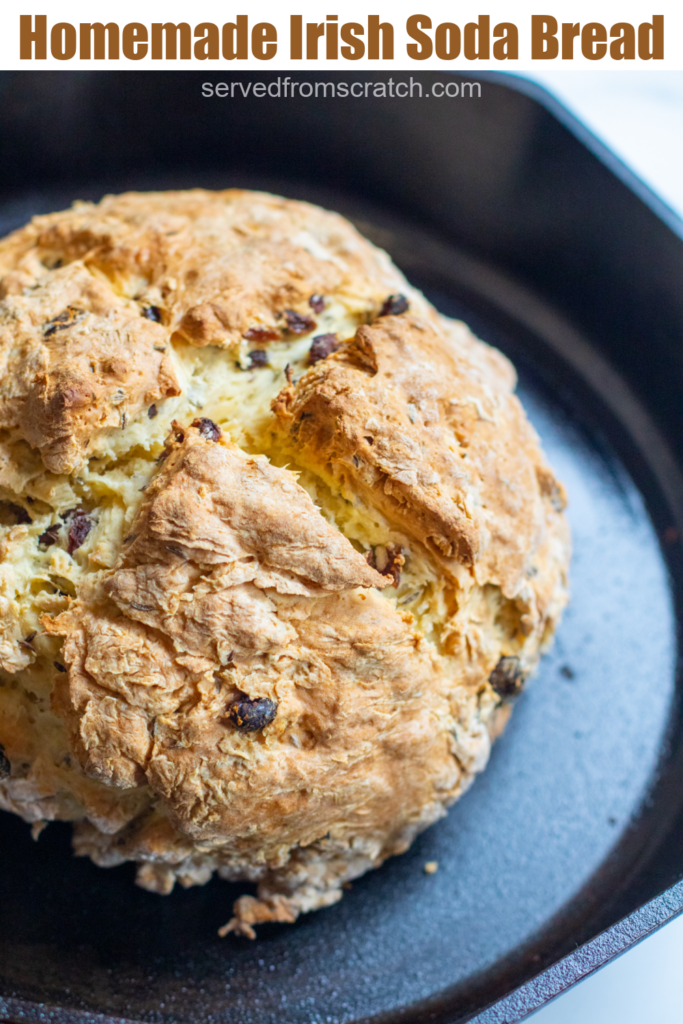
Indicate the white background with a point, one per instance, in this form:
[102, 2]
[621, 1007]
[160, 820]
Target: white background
[607, 12]
[640, 116]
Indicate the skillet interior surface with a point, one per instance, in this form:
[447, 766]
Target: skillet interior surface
[538, 854]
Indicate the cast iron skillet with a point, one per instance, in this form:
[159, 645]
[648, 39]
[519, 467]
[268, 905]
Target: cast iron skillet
[569, 848]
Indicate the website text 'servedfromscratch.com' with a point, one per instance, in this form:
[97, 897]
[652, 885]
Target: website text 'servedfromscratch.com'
[290, 88]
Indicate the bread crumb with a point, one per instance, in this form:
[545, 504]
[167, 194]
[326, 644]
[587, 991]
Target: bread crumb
[431, 867]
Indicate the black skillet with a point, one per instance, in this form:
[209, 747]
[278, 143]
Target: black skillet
[570, 848]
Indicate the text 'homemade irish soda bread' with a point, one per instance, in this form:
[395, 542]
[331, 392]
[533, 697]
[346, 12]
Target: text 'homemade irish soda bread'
[277, 544]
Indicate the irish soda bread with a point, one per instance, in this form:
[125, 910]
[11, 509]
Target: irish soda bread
[277, 544]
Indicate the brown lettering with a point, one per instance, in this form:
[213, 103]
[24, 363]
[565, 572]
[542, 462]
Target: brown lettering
[208, 45]
[414, 28]
[594, 41]
[313, 34]
[63, 41]
[170, 32]
[569, 34]
[544, 45]
[651, 39]
[386, 30]
[477, 43]
[507, 47]
[447, 41]
[28, 36]
[264, 41]
[355, 48]
[134, 41]
[97, 31]
[296, 37]
[236, 38]
[623, 46]
[332, 37]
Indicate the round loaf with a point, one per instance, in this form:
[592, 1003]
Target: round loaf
[278, 544]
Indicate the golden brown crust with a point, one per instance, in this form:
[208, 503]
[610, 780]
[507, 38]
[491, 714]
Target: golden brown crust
[239, 689]
[211, 266]
[405, 417]
[219, 263]
[76, 361]
[223, 592]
